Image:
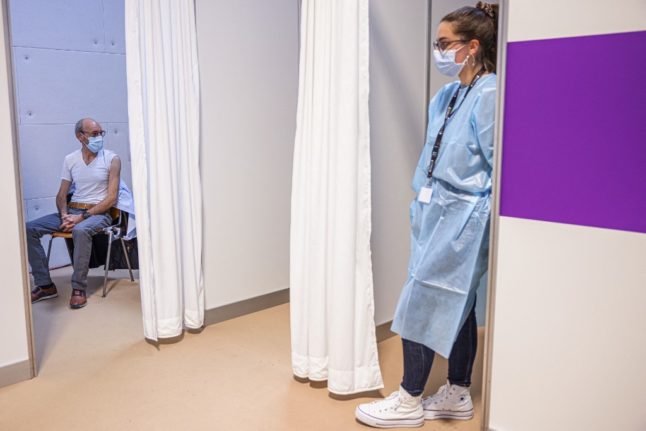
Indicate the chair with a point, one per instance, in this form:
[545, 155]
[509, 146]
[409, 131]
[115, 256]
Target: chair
[114, 232]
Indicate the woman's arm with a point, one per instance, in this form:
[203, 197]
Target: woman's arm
[483, 122]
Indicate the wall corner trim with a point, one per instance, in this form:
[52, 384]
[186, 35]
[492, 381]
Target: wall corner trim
[14, 373]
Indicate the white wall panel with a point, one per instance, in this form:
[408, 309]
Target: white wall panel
[397, 131]
[42, 151]
[63, 86]
[568, 348]
[13, 319]
[548, 19]
[114, 26]
[248, 53]
[35, 208]
[70, 24]
[569, 345]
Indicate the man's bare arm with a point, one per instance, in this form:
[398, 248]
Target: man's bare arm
[113, 189]
[61, 197]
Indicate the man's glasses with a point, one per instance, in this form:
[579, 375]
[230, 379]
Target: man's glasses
[94, 134]
[444, 45]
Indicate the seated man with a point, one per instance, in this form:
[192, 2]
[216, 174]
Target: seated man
[95, 174]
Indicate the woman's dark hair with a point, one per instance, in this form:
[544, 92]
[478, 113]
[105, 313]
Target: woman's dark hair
[480, 23]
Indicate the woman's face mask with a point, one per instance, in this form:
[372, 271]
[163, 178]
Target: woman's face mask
[445, 61]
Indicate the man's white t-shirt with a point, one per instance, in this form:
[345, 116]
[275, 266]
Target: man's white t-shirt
[90, 181]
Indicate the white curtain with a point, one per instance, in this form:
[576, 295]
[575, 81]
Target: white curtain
[164, 121]
[332, 305]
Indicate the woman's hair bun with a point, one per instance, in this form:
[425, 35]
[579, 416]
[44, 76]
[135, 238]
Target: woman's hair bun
[490, 9]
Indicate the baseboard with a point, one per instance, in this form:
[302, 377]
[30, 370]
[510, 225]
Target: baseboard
[14, 373]
[248, 306]
[383, 331]
[259, 303]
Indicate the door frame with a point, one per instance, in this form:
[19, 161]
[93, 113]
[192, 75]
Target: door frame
[495, 213]
[5, 16]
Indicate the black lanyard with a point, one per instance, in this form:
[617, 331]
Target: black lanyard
[449, 113]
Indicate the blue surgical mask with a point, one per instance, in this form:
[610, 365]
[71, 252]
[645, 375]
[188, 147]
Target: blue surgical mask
[95, 144]
[445, 62]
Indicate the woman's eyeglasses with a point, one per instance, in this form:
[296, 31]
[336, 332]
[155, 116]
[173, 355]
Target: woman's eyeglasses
[444, 45]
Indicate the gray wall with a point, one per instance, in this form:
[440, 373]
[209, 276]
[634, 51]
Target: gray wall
[397, 131]
[248, 53]
[248, 56]
[69, 60]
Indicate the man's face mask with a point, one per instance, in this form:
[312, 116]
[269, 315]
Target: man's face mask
[95, 143]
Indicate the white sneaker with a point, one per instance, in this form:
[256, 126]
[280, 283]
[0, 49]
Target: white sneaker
[450, 402]
[399, 410]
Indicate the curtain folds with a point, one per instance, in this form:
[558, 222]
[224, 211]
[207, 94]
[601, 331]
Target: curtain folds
[164, 121]
[332, 305]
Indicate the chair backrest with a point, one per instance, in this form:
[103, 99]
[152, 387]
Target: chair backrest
[115, 213]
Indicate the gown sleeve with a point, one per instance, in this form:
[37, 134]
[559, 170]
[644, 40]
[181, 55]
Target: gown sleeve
[482, 120]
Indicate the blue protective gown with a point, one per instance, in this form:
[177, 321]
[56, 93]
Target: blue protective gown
[450, 235]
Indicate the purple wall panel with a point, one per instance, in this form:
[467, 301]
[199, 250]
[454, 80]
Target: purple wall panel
[574, 142]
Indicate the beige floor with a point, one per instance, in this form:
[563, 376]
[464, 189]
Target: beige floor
[97, 373]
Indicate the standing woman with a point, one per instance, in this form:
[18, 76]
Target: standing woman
[449, 227]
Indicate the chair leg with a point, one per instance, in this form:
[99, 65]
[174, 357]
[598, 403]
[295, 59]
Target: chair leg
[125, 253]
[107, 265]
[49, 249]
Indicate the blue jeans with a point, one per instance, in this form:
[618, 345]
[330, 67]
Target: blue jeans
[81, 235]
[418, 359]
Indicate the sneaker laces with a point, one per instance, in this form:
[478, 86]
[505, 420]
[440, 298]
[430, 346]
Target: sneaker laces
[390, 397]
[441, 394]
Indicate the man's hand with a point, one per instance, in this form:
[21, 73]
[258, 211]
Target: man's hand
[69, 221]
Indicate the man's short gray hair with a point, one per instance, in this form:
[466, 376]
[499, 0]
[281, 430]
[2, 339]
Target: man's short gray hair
[79, 126]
